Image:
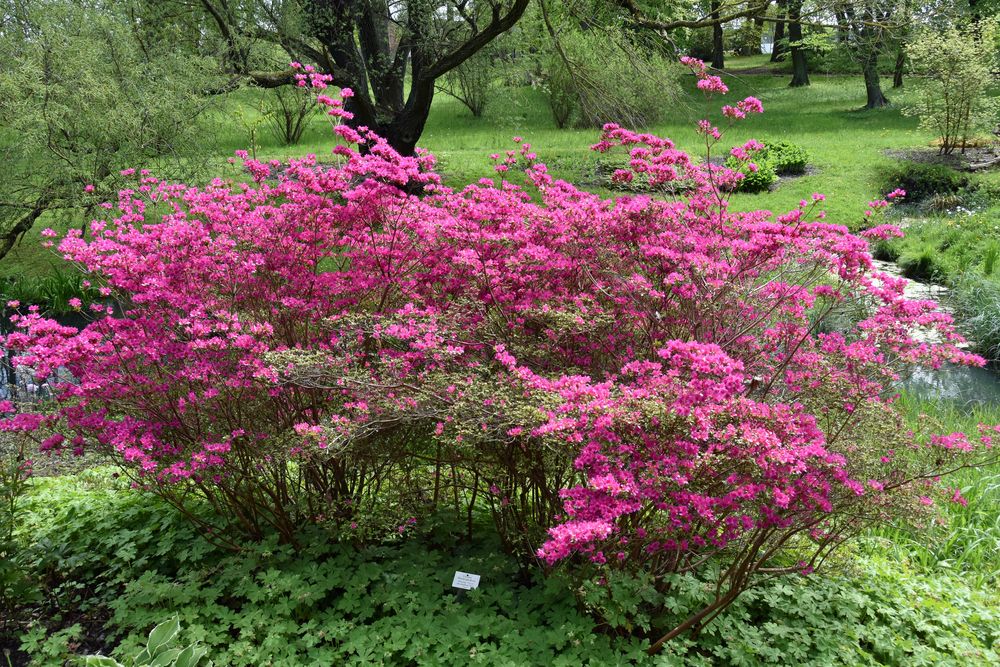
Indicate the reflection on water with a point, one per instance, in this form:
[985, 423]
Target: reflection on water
[961, 384]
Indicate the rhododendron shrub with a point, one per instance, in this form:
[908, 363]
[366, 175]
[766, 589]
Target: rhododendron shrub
[644, 384]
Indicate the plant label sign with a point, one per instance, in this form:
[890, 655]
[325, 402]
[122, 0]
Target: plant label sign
[465, 580]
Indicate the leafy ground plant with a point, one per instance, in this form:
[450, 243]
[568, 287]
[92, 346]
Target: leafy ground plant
[159, 651]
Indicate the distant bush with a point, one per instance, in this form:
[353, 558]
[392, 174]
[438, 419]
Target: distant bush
[754, 180]
[474, 82]
[788, 159]
[922, 180]
[775, 158]
[954, 69]
[287, 112]
[601, 76]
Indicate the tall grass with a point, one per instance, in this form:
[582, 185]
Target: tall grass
[964, 539]
[51, 291]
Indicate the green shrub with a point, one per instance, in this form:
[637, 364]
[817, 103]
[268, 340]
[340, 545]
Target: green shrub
[922, 181]
[788, 159]
[754, 181]
[776, 158]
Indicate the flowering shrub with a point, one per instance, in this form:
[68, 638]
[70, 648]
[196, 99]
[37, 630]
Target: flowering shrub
[642, 384]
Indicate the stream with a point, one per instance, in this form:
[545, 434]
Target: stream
[967, 386]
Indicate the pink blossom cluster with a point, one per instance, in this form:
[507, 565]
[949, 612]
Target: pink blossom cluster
[669, 352]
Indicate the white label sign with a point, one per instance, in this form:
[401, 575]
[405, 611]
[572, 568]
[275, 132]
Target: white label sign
[465, 580]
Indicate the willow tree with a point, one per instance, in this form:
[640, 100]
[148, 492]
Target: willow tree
[84, 95]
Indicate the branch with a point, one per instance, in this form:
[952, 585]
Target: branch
[499, 24]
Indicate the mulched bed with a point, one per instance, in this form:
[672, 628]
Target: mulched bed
[968, 161]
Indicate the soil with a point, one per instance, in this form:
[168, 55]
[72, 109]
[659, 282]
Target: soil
[974, 155]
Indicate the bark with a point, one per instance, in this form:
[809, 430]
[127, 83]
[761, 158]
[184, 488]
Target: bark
[718, 47]
[800, 68]
[777, 46]
[897, 72]
[873, 84]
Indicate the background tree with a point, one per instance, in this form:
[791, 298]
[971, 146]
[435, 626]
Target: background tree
[872, 23]
[391, 54]
[955, 69]
[800, 69]
[87, 90]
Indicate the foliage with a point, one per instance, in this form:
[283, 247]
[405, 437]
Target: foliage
[473, 82]
[337, 604]
[977, 302]
[288, 113]
[158, 652]
[757, 171]
[955, 73]
[17, 587]
[922, 180]
[82, 99]
[560, 91]
[321, 345]
[762, 166]
[788, 159]
[58, 293]
[604, 75]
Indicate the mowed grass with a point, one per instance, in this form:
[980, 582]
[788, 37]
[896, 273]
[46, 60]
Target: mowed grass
[846, 144]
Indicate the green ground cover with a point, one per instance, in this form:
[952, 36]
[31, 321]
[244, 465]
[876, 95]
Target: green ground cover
[110, 562]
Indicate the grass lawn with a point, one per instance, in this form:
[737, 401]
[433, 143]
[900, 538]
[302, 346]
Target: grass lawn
[845, 144]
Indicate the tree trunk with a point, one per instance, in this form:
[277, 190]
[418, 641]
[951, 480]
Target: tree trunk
[873, 85]
[718, 55]
[800, 69]
[843, 26]
[358, 51]
[777, 47]
[897, 73]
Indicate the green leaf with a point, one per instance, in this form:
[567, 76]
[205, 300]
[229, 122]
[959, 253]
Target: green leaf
[191, 656]
[166, 658]
[161, 635]
[100, 661]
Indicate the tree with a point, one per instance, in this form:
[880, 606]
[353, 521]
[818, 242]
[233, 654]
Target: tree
[800, 69]
[955, 69]
[871, 23]
[83, 95]
[391, 54]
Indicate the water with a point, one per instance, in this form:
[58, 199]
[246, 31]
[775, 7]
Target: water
[968, 386]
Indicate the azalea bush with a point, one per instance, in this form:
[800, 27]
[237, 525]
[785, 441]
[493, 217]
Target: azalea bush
[643, 384]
